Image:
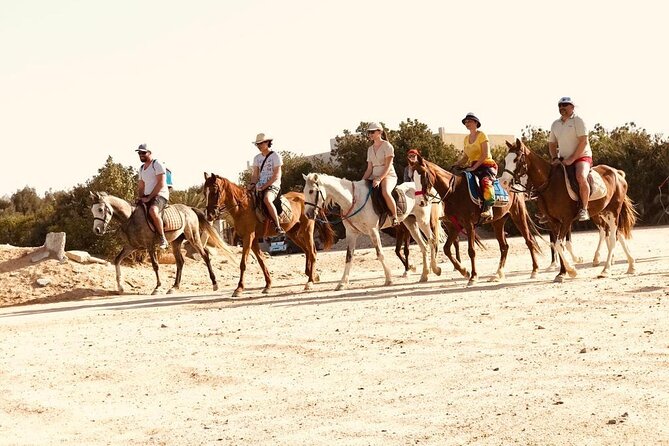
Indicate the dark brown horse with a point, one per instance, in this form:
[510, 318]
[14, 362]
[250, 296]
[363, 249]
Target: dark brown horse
[221, 193]
[614, 212]
[458, 206]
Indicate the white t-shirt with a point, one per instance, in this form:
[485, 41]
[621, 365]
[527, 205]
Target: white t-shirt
[273, 160]
[378, 159]
[566, 134]
[150, 178]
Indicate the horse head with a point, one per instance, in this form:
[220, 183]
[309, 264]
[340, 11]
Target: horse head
[102, 212]
[515, 164]
[314, 195]
[214, 195]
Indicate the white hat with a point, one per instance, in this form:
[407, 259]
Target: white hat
[374, 126]
[261, 137]
[565, 100]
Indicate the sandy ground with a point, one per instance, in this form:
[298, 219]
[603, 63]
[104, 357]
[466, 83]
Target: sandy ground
[525, 362]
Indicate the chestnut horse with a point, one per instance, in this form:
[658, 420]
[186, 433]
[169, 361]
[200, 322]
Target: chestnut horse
[221, 193]
[458, 206]
[614, 213]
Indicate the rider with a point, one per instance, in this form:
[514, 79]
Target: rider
[478, 160]
[412, 157]
[152, 190]
[266, 176]
[380, 166]
[568, 143]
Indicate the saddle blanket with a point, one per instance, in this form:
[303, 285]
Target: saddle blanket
[172, 219]
[597, 185]
[501, 195]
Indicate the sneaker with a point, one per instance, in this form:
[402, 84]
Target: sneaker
[163, 243]
[583, 215]
[279, 230]
[486, 215]
[395, 221]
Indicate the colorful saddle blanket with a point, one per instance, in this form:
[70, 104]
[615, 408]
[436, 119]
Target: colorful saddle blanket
[501, 195]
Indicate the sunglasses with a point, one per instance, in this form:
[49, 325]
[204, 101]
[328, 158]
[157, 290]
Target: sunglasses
[142, 153]
[564, 104]
[369, 132]
[258, 144]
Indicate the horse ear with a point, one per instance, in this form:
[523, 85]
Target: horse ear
[508, 144]
[304, 177]
[206, 176]
[92, 195]
[518, 143]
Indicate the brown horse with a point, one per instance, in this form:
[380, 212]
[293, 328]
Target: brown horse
[221, 193]
[614, 212]
[458, 206]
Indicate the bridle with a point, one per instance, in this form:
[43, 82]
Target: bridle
[521, 171]
[344, 216]
[106, 215]
[319, 194]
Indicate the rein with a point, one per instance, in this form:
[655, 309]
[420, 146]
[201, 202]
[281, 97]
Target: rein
[347, 215]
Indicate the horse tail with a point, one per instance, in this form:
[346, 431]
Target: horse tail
[438, 233]
[627, 218]
[325, 231]
[209, 235]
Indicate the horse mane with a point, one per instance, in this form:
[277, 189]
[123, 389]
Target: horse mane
[238, 193]
[334, 182]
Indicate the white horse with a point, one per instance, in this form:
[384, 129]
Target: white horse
[359, 217]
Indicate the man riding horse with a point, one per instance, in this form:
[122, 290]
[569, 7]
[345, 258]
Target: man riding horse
[152, 190]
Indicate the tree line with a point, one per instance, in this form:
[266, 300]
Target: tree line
[26, 218]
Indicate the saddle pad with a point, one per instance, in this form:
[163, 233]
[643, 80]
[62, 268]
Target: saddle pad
[284, 210]
[501, 195]
[400, 201]
[597, 185]
[172, 219]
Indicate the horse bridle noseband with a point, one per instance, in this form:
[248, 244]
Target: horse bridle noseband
[319, 193]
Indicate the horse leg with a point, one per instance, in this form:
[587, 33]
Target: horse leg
[630, 260]
[255, 246]
[178, 256]
[306, 242]
[554, 255]
[125, 252]
[400, 242]
[154, 262]
[351, 240]
[471, 250]
[432, 242]
[565, 266]
[570, 248]
[611, 232]
[602, 236]
[498, 226]
[420, 241]
[521, 222]
[376, 242]
[450, 239]
[204, 253]
[246, 247]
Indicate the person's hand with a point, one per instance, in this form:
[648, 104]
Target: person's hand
[376, 182]
[145, 199]
[556, 161]
[567, 161]
[258, 188]
[469, 169]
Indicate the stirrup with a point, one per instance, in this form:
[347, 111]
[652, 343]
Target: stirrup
[163, 243]
[279, 230]
[583, 215]
[394, 221]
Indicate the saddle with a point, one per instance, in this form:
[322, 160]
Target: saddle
[172, 218]
[380, 206]
[597, 186]
[281, 204]
[501, 195]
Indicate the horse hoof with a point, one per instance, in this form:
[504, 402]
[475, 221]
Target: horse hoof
[437, 271]
[631, 270]
[495, 279]
[170, 291]
[215, 287]
[533, 275]
[266, 290]
[595, 263]
[388, 282]
[578, 259]
[340, 287]
[317, 278]
[237, 293]
[154, 292]
[405, 275]
[572, 273]
[423, 279]
[559, 278]
[308, 286]
[413, 268]
[603, 275]
[120, 290]
[465, 274]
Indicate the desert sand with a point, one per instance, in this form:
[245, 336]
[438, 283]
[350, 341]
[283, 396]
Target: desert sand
[526, 361]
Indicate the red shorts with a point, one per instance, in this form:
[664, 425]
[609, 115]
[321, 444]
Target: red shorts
[584, 159]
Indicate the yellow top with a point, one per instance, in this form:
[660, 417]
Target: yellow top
[473, 150]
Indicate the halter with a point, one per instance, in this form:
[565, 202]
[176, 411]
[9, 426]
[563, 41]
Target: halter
[521, 170]
[107, 211]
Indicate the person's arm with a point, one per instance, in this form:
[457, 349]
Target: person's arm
[485, 154]
[580, 148]
[159, 185]
[275, 176]
[368, 171]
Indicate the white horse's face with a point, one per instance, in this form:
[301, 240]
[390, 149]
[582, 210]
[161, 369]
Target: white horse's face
[421, 196]
[102, 215]
[314, 195]
[510, 168]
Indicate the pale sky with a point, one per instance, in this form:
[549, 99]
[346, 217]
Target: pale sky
[196, 80]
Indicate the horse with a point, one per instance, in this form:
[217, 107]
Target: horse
[613, 213]
[222, 194]
[458, 206]
[321, 190]
[139, 235]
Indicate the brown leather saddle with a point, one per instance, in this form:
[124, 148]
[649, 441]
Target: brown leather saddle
[380, 206]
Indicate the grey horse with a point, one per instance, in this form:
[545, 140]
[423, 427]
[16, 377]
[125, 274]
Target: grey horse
[138, 235]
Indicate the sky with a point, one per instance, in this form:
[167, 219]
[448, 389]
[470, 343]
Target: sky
[196, 81]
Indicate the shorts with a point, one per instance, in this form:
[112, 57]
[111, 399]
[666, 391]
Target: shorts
[159, 202]
[271, 193]
[584, 159]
